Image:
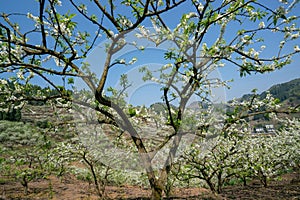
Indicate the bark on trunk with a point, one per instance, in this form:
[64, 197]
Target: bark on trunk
[156, 193]
[158, 186]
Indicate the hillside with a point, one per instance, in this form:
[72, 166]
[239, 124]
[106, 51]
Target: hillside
[288, 92]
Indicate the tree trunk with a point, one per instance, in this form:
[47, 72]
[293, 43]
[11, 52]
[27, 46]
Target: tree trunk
[211, 185]
[24, 183]
[158, 186]
[244, 178]
[156, 193]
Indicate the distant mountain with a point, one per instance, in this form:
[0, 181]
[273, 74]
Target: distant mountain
[288, 93]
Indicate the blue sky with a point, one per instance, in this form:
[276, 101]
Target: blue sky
[239, 86]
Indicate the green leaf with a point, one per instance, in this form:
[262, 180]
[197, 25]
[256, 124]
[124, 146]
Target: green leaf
[70, 80]
[131, 112]
[94, 17]
[277, 101]
[169, 55]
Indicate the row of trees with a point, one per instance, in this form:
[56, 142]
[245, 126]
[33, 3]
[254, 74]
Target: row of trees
[52, 44]
[211, 160]
[14, 95]
[242, 155]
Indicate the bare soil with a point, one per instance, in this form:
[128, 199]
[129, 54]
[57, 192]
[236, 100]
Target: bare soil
[69, 188]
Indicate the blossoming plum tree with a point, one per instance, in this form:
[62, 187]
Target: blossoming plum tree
[243, 154]
[52, 43]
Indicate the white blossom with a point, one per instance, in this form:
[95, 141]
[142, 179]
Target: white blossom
[281, 44]
[20, 75]
[31, 75]
[58, 2]
[122, 61]
[127, 4]
[191, 14]
[3, 81]
[111, 32]
[29, 15]
[200, 7]
[143, 31]
[133, 60]
[139, 36]
[296, 48]
[283, 1]
[256, 54]
[125, 22]
[204, 46]
[221, 64]
[154, 79]
[276, 29]
[295, 36]
[141, 48]
[166, 66]
[261, 25]
[57, 61]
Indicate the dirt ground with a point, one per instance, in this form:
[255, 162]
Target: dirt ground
[72, 189]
